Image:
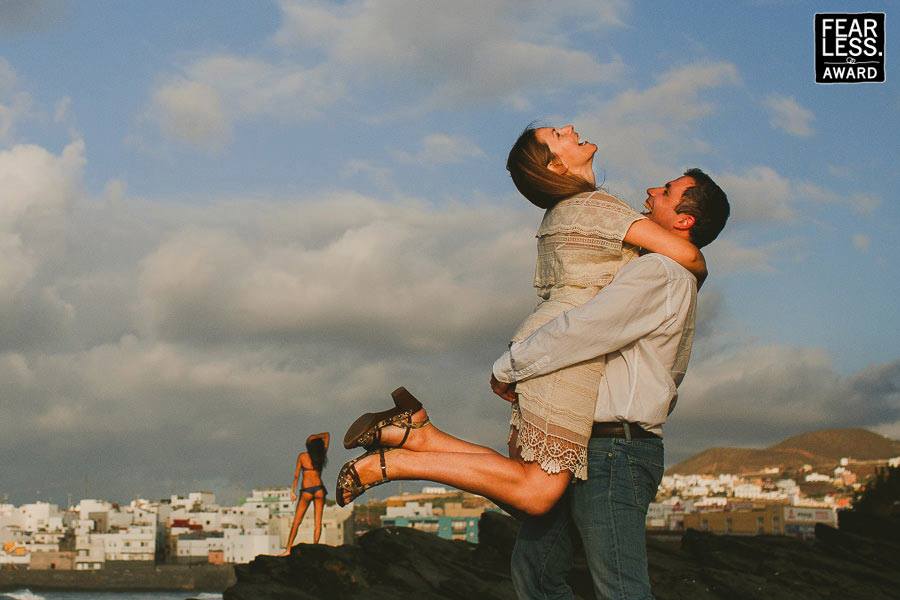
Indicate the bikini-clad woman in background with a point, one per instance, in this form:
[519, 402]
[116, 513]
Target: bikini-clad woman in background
[310, 464]
[585, 237]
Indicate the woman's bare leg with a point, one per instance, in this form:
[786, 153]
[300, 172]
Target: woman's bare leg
[429, 439]
[319, 506]
[521, 485]
[302, 505]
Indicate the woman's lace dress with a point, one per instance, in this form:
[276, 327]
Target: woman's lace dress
[580, 249]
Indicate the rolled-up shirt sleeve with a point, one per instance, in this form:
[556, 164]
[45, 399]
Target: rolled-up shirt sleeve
[635, 303]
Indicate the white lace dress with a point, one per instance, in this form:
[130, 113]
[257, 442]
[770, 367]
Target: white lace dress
[580, 249]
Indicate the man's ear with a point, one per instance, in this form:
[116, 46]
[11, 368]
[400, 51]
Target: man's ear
[684, 222]
[558, 167]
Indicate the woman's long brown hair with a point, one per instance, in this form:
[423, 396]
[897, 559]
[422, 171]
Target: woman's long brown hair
[317, 451]
[528, 166]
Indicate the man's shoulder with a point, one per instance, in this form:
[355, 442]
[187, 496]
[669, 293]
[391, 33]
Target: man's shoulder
[660, 265]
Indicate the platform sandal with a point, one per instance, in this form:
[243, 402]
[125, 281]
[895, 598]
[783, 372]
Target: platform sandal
[348, 479]
[366, 430]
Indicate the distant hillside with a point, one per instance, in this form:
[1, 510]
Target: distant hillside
[860, 444]
[818, 448]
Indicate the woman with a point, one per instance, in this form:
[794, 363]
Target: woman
[310, 464]
[585, 237]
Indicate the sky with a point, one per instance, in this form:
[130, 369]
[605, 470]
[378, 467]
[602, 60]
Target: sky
[228, 225]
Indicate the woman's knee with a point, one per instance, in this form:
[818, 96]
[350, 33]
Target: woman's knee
[544, 491]
[540, 504]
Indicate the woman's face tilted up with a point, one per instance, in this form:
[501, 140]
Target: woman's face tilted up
[574, 156]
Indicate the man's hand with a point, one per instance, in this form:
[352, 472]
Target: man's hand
[507, 391]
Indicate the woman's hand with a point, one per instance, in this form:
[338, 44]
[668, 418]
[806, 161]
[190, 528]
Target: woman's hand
[293, 496]
[507, 391]
[324, 436]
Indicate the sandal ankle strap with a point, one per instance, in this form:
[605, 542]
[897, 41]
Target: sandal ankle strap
[384, 476]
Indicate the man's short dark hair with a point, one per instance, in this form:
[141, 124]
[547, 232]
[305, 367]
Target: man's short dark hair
[708, 204]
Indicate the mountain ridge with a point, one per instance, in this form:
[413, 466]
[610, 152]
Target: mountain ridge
[822, 448]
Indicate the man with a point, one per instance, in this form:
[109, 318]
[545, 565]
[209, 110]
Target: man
[643, 322]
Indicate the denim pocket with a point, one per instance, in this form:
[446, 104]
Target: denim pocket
[645, 469]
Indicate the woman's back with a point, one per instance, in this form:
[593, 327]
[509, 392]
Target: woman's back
[580, 250]
[311, 477]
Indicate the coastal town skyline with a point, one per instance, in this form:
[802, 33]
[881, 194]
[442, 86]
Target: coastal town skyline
[196, 528]
[228, 226]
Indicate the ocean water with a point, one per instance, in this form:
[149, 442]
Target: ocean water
[25, 594]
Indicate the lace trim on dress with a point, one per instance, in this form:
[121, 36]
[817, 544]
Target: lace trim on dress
[553, 453]
[587, 230]
[594, 214]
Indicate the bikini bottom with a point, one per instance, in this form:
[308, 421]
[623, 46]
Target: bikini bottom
[313, 489]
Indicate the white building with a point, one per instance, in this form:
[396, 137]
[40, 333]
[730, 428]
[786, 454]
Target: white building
[277, 501]
[194, 501]
[208, 520]
[245, 517]
[748, 490]
[411, 509]
[40, 516]
[337, 526]
[89, 555]
[711, 502]
[195, 547]
[658, 515]
[137, 543]
[90, 506]
[242, 547]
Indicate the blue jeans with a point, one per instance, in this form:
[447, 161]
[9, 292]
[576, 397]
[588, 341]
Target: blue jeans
[609, 512]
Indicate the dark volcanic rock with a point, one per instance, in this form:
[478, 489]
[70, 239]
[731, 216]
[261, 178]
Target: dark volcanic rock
[405, 563]
[388, 563]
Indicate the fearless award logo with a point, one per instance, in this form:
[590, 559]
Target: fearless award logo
[850, 48]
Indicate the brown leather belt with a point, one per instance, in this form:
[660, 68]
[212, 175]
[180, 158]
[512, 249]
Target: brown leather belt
[616, 429]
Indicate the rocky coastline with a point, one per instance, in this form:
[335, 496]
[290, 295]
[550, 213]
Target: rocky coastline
[393, 563]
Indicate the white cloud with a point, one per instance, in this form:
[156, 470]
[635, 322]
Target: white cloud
[224, 282]
[145, 332]
[644, 135]
[461, 52]
[39, 188]
[201, 105]
[759, 394]
[15, 104]
[381, 176]
[865, 204]
[427, 54]
[787, 115]
[759, 194]
[192, 112]
[727, 256]
[861, 242]
[62, 110]
[441, 149]
[134, 328]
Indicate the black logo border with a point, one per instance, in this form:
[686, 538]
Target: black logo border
[816, 43]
